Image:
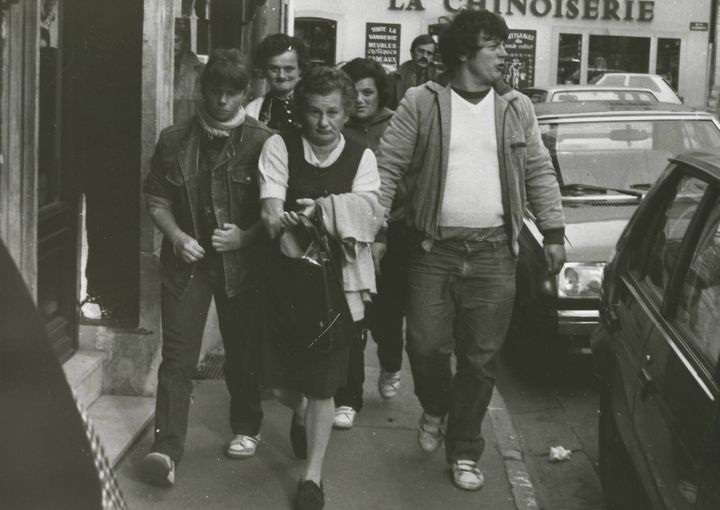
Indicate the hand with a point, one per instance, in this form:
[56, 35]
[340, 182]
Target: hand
[291, 218]
[378, 252]
[188, 249]
[227, 238]
[554, 257]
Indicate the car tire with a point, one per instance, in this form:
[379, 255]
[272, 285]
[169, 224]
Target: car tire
[620, 483]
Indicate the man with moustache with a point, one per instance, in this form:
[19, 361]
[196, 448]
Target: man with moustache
[414, 72]
[472, 160]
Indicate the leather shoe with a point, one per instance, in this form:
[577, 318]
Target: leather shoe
[298, 440]
[310, 496]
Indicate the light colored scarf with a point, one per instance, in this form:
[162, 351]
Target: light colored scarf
[214, 127]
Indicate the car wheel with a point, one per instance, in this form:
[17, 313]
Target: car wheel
[620, 483]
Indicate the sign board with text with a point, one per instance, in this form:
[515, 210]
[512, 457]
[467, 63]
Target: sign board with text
[699, 26]
[520, 62]
[382, 43]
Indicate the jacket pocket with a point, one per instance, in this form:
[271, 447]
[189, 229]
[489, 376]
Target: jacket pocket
[244, 195]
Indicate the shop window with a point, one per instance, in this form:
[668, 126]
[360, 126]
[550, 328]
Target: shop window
[320, 35]
[609, 54]
[569, 58]
[668, 60]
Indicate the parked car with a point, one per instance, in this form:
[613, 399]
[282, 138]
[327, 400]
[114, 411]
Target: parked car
[606, 155]
[663, 90]
[658, 346]
[564, 93]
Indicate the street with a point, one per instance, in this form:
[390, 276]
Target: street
[558, 409]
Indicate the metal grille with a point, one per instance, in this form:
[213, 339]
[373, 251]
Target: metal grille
[211, 367]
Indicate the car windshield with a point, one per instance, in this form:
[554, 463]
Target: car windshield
[622, 154]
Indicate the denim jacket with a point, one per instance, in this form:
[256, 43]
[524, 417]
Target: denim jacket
[235, 196]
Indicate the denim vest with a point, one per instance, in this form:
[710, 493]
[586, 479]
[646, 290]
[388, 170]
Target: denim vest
[235, 197]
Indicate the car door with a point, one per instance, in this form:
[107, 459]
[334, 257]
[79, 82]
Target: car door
[675, 388]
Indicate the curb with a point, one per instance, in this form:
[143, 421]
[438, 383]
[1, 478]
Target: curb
[511, 450]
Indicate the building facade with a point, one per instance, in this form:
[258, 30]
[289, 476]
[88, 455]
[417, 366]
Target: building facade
[552, 41]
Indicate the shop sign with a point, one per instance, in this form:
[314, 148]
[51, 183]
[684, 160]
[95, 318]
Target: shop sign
[382, 43]
[699, 26]
[520, 62]
[608, 10]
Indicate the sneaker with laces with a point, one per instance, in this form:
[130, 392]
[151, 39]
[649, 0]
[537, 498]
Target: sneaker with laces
[466, 475]
[159, 469]
[431, 432]
[388, 384]
[242, 446]
[344, 417]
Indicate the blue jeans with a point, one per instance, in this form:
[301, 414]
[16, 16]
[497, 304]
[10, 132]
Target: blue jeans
[460, 300]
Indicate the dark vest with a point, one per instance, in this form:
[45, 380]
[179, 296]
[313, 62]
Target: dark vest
[308, 181]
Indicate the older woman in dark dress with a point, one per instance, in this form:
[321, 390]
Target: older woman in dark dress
[320, 174]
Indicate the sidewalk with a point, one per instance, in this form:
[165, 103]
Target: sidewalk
[376, 465]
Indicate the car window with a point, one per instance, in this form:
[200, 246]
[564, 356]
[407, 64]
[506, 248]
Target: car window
[623, 154]
[698, 308]
[653, 263]
[612, 81]
[645, 82]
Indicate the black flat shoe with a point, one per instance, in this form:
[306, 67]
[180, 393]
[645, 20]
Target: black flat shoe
[298, 439]
[309, 496]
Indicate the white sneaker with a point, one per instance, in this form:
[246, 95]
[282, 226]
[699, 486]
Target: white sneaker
[388, 384]
[431, 432]
[344, 417]
[467, 476]
[159, 469]
[242, 446]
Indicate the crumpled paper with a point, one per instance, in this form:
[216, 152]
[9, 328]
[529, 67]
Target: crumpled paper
[559, 453]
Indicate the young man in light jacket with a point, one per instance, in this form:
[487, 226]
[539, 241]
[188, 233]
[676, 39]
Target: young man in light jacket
[472, 160]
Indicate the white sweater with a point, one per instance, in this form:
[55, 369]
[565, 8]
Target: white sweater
[473, 194]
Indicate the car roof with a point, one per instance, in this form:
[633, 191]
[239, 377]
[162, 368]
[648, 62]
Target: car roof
[709, 161]
[568, 87]
[612, 108]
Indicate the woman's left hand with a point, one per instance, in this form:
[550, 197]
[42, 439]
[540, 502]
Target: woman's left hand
[291, 218]
[229, 237]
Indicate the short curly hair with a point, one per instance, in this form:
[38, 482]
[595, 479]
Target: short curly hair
[323, 80]
[226, 66]
[459, 38]
[277, 44]
[361, 68]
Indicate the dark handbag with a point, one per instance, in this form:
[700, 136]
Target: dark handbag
[319, 315]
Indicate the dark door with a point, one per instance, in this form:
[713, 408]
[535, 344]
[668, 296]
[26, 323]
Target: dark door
[675, 391]
[58, 198]
[320, 35]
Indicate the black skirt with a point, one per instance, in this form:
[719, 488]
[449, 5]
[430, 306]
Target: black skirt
[309, 329]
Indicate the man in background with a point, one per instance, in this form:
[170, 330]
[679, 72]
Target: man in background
[414, 72]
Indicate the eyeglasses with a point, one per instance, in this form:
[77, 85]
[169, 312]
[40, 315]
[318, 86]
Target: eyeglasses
[427, 53]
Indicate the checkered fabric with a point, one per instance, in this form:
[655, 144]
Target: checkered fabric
[112, 498]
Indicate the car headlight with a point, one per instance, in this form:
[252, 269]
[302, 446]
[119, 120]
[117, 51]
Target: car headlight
[580, 280]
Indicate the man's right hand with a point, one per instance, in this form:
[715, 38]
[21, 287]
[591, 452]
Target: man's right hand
[378, 252]
[188, 249]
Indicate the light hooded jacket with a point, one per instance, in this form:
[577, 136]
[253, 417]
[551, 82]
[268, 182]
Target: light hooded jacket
[415, 147]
